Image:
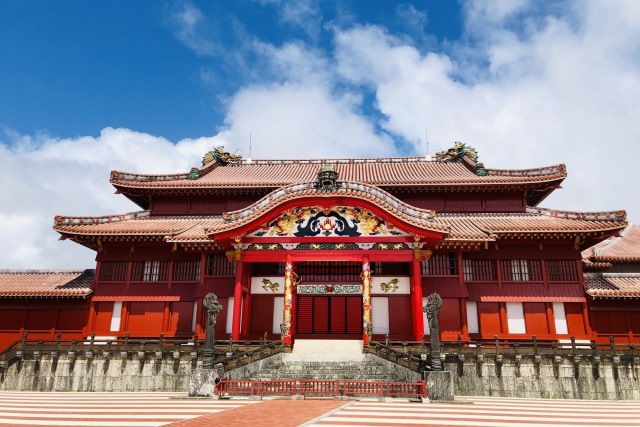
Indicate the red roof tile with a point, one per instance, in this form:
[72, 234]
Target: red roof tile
[477, 227]
[625, 247]
[41, 283]
[383, 172]
[613, 285]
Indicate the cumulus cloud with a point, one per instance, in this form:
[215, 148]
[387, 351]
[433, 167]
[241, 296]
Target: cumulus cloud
[565, 90]
[189, 24]
[44, 176]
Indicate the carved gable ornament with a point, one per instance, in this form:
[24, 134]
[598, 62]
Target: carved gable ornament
[339, 221]
[327, 179]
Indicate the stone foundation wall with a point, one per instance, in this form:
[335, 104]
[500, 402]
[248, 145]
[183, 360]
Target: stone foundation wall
[561, 377]
[99, 374]
[554, 378]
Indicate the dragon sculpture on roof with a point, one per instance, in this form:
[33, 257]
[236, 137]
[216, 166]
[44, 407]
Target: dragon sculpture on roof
[219, 155]
[459, 152]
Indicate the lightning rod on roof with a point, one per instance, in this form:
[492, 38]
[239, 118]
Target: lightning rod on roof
[249, 158]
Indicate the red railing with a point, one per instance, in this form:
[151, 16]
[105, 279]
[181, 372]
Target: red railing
[320, 387]
[276, 387]
[236, 387]
[418, 389]
[362, 388]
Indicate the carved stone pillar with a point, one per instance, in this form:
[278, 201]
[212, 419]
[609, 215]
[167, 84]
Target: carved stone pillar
[432, 310]
[213, 308]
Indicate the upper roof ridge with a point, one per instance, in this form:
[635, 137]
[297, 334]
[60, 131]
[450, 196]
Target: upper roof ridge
[611, 216]
[87, 220]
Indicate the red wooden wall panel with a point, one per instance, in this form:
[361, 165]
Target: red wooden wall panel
[634, 319]
[72, 319]
[400, 315]
[181, 317]
[305, 315]
[12, 319]
[321, 315]
[102, 321]
[354, 316]
[41, 319]
[575, 319]
[221, 322]
[145, 317]
[601, 322]
[450, 323]
[618, 322]
[261, 314]
[489, 318]
[338, 315]
[535, 318]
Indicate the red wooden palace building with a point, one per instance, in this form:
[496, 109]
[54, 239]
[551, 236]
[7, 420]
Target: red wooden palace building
[343, 248]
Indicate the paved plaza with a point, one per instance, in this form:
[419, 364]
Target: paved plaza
[161, 409]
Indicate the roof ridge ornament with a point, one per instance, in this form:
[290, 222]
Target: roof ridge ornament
[220, 156]
[327, 178]
[461, 152]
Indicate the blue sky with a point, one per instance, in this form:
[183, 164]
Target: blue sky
[76, 67]
[149, 86]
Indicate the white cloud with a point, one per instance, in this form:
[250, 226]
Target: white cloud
[188, 22]
[564, 91]
[44, 176]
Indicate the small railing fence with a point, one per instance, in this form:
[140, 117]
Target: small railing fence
[229, 353]
[348, 388]
[415, 355]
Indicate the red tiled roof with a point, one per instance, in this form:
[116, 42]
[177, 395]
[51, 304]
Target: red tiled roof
[41, 283]
[625, 247]
[527, 292]
[415, 171]
[477, 227]
[613, 285]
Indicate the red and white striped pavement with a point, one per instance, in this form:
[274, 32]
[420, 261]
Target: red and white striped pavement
[104, 409]
[487, 412]
[157, 409]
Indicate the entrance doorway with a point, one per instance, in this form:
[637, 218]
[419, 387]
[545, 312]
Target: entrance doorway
[330, 316]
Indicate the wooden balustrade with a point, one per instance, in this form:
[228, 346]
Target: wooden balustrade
[398, 389]
[363, 388]
[320, 387]
[276, 387]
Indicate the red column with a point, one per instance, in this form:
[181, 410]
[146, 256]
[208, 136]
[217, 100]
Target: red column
[504, 324]
[418, 324]
[287, 313]
[585, 319]
[366, 300]
[551, 320]
[237, 302]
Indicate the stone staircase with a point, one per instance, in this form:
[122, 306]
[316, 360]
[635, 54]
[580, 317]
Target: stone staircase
[326, 359]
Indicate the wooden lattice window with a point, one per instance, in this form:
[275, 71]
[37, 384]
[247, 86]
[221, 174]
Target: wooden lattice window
[113, 271]
[480, 270]
[329, 271]
[268, 269]
[562, 271]
[186, 271]
[150, 271]
[441, 264]
[521, 270]
[219, 265]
